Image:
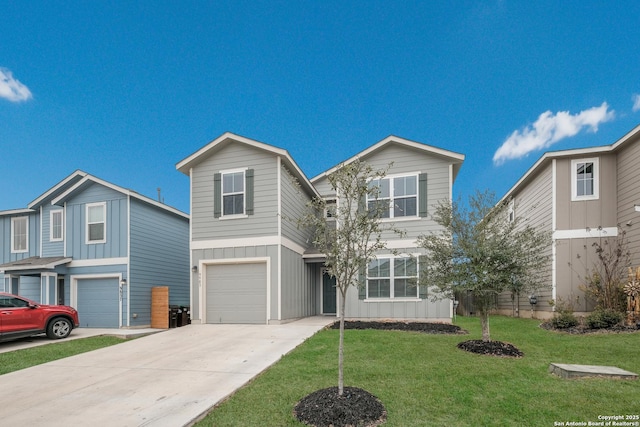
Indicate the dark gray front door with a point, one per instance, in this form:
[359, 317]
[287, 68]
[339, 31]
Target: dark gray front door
[328, 294]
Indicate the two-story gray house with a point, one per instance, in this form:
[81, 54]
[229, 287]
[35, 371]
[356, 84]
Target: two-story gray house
[581, 196]
[251, 264]
[97, 247]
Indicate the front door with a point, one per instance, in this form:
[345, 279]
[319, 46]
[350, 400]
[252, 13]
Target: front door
[328, 294]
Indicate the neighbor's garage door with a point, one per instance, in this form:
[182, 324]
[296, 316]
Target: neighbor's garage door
[98, 301]
[236, 293]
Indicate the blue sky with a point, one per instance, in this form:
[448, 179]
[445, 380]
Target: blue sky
[125, 90]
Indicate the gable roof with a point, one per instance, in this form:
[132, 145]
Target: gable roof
[57, 189]
[228, 138]
[88, 180]
[455, 158]
[577, 152]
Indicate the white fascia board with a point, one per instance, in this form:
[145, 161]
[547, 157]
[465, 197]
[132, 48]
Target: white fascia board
[186, 165]
[126, 192]
[603, 149]
[56, 187]
[16, 212]
[453, 156]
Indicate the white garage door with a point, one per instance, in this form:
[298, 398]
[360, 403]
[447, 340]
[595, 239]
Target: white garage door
[98, 303]
[236, 293]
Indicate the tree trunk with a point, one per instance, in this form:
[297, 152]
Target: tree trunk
[343, 298]
[484, 320]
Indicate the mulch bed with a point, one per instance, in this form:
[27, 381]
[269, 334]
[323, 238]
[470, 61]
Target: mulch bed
[325, 408]
[491, 348]
[581, 329]
[426, 327]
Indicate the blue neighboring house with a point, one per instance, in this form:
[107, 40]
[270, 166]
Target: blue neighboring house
[97, 247]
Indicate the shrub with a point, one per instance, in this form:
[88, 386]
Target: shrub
[602, 319]
[564, 320]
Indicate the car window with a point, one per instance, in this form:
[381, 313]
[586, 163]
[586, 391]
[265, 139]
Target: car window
[12, 302]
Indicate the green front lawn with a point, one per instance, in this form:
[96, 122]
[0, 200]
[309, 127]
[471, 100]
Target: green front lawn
[27, 357]
[424, 380]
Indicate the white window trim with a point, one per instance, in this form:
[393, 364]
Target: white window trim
[596, 180]
[392, 197]
[104, 236]
[511, 211]
[330, 205]
[244, 193]
[392, 278]
[51, 215]
[13, 240]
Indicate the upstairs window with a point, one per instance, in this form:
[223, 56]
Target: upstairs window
[330, 208]
[96, 222]
[56, 230]
[20, 234]
[397, 196]
[584, 179]
[233, 193]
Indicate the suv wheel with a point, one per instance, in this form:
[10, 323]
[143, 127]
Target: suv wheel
[59, 328]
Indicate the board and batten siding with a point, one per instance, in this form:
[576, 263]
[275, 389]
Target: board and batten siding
[116, 224]
[264, 221]
[294, 206]
[629, 195]
[231, 253]
[576, 215]
[159, 257]
[533, 206]
[298, 286]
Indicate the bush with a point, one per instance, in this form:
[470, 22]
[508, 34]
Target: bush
[564, 320]
[602, 319]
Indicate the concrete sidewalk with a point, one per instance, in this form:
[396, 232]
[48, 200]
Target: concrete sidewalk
[77, 333]
[165, 379]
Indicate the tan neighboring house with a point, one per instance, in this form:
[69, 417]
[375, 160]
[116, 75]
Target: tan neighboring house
[581, 196]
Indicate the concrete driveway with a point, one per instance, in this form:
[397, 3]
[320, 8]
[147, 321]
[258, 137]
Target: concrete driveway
[169, 378]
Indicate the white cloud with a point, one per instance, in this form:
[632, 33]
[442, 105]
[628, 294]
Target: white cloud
[636, 102]
[549, 129]
[11, 88]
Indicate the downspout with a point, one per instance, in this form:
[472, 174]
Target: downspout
[279, 196]
[129, 282]
[554, 284]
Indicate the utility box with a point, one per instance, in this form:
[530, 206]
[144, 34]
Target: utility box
[160, 307]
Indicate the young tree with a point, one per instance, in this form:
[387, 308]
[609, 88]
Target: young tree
[479, 250]
[604, 282]
[354, 236]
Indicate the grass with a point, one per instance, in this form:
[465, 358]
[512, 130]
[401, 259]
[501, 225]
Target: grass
[424, 380]
[25, 358]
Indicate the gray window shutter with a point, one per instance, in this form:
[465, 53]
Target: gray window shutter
[217, 195]
[422, 289]
[362, 286]
[248, 208]
[422, 195]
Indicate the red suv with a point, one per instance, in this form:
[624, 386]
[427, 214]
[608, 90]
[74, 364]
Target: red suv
[21, 317]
